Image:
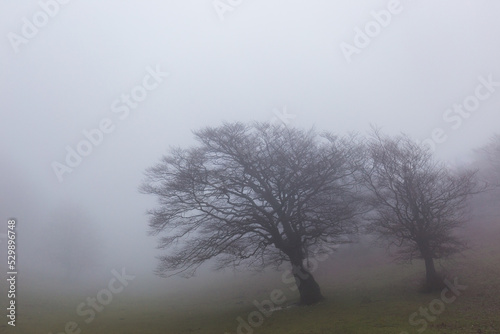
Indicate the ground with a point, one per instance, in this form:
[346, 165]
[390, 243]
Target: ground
[374, 296]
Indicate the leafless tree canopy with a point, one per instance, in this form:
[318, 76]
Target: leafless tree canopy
[253, 194]
[418, 202]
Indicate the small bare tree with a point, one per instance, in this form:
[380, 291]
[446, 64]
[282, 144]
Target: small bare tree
[257, 195]
[489, 160]
[72, 241]
[418, 203]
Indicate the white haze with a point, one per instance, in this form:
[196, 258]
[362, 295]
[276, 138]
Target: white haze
[265, 56]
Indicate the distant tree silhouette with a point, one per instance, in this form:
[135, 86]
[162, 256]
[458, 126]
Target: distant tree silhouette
[71, 241]
[489, 159]
[418, 203]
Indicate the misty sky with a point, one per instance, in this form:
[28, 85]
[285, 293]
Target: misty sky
[263, 58]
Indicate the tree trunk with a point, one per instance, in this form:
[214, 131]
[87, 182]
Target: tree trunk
[309, 290]
[432, 279]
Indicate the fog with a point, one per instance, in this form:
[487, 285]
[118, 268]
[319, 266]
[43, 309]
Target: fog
[83, 66]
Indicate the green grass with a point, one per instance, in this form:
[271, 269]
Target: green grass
[371, 299]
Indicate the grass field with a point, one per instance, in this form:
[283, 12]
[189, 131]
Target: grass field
[372, 296]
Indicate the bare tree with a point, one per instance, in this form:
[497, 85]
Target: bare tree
[418, 203]
[489, 161]
[72, 242]
[255, 195]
